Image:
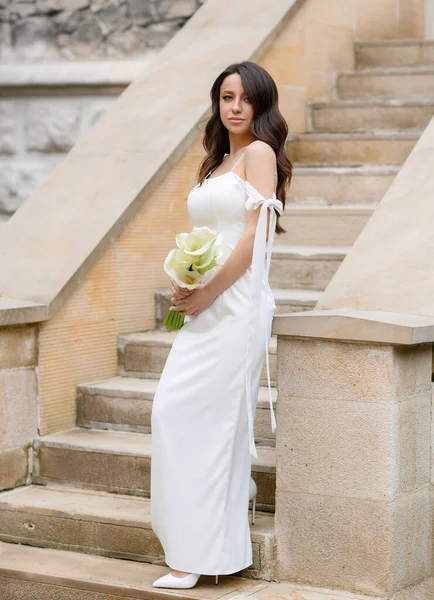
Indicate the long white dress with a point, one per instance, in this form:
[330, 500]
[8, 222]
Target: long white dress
[205, 402]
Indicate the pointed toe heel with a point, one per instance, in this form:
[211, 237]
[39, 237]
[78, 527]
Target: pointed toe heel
[216, 579]
[170, 581]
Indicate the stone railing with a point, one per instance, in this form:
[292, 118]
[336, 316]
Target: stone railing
[354, 500]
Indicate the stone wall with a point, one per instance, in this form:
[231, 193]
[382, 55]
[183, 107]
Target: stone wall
[35, 30]
[35, 135]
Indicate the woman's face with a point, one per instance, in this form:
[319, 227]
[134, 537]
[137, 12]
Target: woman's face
[234, 103]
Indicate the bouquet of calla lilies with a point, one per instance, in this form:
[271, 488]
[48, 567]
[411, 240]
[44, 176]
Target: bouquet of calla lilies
[197, 253]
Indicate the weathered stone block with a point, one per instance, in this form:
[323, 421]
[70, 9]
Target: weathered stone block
[21, 10]
[129, 42]
[142, 12]
[19, 180]
[158, 34]
[13, 468]
[113, 16]
[18, 407]
[369, 450]
[363, 546]
[52, 126]
[8, 127]
[67, 5]
[350, 371]
[175, 9]
[34, 38]
[18, 347]
[87, 37]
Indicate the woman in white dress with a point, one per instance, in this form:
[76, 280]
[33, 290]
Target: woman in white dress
[204, 406]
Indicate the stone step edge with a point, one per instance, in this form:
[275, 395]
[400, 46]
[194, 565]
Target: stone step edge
[85, 505]
[305, 170]
[394, 42]
[315, 210]
[164, 338]
[310, 252]
[392, 134]
[369, 103]
[368, 71]
[107, 387]
[110, 576]
[126, 443]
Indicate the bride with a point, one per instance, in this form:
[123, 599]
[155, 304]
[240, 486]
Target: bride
[204, 406]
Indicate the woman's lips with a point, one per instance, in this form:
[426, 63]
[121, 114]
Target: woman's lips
[236, 120]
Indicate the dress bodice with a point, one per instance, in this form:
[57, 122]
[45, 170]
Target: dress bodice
[220, 203]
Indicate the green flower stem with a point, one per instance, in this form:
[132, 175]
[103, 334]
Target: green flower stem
[174, 320]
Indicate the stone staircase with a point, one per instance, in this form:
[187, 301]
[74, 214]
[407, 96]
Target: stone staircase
[89, 494]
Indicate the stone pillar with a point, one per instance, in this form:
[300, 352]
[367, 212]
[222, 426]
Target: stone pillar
[18, 402]
[429, 19]
[353, 454]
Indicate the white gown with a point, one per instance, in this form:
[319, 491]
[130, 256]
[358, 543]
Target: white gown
[204, 405]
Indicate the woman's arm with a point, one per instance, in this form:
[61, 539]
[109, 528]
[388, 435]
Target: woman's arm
[260, 166]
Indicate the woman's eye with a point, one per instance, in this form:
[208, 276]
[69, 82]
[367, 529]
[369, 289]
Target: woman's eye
[224, 98]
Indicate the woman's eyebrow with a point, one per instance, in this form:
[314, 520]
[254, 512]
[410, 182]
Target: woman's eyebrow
[230, 91]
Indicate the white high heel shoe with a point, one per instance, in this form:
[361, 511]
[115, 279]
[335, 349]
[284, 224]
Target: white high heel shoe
[186, 582]
[253, 490]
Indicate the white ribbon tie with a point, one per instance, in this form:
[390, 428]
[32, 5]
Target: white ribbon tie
[260, 272]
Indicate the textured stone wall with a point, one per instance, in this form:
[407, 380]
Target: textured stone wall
[35, 135]
[34, 30]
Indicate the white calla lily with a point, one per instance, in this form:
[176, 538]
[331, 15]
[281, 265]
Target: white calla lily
[197, 252]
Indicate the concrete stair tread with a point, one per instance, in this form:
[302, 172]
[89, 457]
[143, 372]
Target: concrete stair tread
[282, 295]
[128, 387]
[397, 42]
[369, 102]
[95, 506]
[120, 386]
[352, 148]
[132, 444]
[111, 576]
[358, 135]
[405, 70]
[314, 252]
[165, 338]
[324, 170]
[329, 209]
[153, 337]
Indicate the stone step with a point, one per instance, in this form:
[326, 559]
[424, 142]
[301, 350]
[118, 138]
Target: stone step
[125, 404]
[351, 149]
[286, 301]
[305, 267]
[394, 53]
[417, 82]
[97, 523]
[28, 573]
[336, 225]
[376, 115]
[120, 462]
[144, 355]
[342, 185]
[291, 300]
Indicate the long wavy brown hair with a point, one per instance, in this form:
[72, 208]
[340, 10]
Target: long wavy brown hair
[267, 125]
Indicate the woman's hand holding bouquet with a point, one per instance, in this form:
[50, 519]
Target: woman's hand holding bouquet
[197, 253]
